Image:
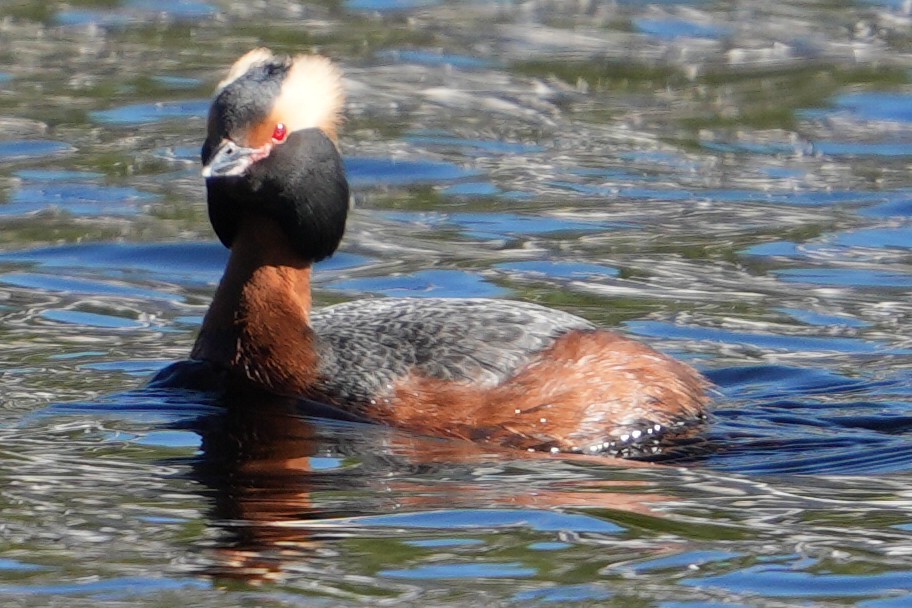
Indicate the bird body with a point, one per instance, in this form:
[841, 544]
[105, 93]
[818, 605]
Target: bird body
[510, 373]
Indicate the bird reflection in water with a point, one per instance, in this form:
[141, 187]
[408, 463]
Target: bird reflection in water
[258, 460]
[290, 478]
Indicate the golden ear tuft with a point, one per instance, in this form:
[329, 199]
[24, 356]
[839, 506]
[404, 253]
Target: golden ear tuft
[312, 95]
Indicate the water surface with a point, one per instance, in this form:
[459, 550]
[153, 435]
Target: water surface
[729, 182]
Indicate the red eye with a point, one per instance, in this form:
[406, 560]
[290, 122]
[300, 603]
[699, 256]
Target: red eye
[279, 133]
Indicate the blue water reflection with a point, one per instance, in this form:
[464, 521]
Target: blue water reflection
[364, 172]
[11, 151]
[189, 263]
[679, 28]
[144, 113]
[136, 11]
[430, 58]
[877, 105]
[796, 584]
[52, 283]
[385, 6]
[77, 199]
[543, 521]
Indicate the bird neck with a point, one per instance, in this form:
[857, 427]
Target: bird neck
[258, 325]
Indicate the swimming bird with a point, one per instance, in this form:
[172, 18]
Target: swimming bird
[504, 372]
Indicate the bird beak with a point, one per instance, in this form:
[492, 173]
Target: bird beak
[231, 159]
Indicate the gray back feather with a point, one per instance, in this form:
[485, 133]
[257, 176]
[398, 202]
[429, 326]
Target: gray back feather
[366, 345]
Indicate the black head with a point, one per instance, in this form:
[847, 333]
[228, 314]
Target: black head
[270, 150]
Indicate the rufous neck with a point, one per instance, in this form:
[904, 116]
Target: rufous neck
[258, 323]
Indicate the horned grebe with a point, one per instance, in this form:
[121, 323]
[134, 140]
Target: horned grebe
[511, 373]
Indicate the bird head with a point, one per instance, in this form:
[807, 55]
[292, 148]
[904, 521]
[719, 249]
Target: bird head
[271, 150]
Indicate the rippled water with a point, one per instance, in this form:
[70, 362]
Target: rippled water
[728, 181]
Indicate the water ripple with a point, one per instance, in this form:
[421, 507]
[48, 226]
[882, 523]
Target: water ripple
[728, 182]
